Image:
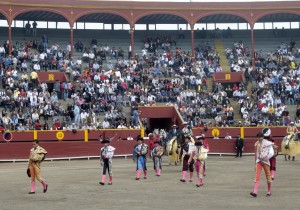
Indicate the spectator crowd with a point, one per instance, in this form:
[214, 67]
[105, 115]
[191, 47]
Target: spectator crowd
[104, 81]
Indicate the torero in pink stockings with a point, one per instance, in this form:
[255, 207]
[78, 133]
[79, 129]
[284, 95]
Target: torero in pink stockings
[263, 152]
[199, 155]
[187, 164]
[37, 155]
[106, 155]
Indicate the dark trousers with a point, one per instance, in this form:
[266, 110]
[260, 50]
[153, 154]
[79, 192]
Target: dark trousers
[186, 166]
[106, 167]
[239, 152]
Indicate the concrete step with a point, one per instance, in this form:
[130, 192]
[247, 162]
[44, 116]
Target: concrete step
[223, 60]
[209, 83]
[292, 110]
[236, 109]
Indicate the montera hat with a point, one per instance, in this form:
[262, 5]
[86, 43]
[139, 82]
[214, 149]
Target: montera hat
[198, 144]
[140, 139]
[105, 141]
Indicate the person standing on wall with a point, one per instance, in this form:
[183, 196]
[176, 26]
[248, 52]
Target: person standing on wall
[129, 52]
[27, 28]
[34, 25]
[239, 145]
[37, 155]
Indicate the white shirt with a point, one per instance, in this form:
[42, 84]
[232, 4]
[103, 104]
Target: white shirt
[91, 55]
[107, 152]
[83, 115]
[42, 56]
[105, 124]
[2, 49]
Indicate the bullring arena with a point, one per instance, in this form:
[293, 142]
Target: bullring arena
[74, 185]
[75, 73]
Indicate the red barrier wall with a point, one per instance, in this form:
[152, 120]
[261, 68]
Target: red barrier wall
[70, 136]
[246, 131]
[20, 150]
[73, 145]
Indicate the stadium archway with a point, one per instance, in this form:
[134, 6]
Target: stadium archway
[228, 26]
[277, 23]
[108, 28]
[172, 25]
[51, 23]
[271, 28]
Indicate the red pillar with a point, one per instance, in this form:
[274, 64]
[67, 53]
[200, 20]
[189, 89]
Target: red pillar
[72, 42]
[193, 42]
[132, 42]
[9, 40]
[252, 46]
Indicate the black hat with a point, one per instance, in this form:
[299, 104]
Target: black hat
[105, 142]
[260, 134]
[140, 139]
[198, 144]
[200, 138]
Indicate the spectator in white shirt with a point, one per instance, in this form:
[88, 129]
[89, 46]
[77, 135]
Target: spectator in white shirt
[35, 116]
[105, 124]
[2, 51]
[228, 136]
[83, 116]
[24, 66]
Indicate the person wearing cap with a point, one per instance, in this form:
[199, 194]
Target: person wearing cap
[139, 156]
[37, 155]
[263, 152]
[106, 155]
[174, 132]
[186, 131]
[291, 131]
[156, 154]
[199, 155]
[185, 153]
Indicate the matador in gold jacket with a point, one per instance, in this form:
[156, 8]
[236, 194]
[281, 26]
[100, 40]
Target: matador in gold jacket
[37, 155]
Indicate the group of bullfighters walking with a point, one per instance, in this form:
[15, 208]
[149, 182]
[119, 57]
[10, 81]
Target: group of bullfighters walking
[191, 154]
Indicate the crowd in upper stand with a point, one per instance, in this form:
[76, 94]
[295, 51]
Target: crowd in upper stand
[104, 80]
[276, 79]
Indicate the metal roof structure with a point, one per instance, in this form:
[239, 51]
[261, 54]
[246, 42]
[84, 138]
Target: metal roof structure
[151, 19]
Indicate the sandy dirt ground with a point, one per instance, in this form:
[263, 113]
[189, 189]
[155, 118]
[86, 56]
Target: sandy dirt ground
[75, 185]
